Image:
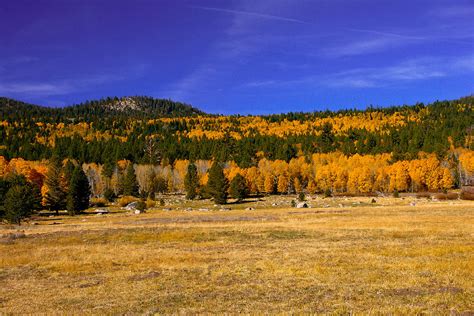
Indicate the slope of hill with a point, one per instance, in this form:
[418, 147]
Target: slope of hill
[143, 129]
[136, 106]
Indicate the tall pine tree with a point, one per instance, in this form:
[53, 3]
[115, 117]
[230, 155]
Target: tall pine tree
[55, 198]
[191, 182]
[130, 185]
[79, 192]
[238, 188]
[217, 184]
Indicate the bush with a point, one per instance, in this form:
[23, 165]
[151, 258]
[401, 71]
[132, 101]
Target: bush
[421, 195]
[452, 196]
[327, 193]
[396, 194]
[301, 196]
[141, 205]
[467, 193]
[98, 202]
[162, 202]
[20, 202]
[125, 200]
[446, 196]
[109, 195]
[293, 203]
[150, 203]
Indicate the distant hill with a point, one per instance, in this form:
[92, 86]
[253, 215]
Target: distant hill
[148, 130]
[126, 106]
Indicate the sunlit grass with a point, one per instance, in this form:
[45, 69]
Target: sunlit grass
[391, 259]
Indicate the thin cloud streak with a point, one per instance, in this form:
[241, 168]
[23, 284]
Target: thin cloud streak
[389, 34]
[374, 77]
[254, 14]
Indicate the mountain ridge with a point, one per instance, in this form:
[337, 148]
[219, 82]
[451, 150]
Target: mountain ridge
[133, 105]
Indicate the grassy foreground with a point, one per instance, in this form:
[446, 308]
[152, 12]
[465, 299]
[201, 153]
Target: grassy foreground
[390, 259]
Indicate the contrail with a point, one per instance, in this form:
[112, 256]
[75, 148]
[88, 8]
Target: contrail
[260, 15]
[285, 19]
[385, 33]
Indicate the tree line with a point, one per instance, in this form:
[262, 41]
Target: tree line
[96, 131]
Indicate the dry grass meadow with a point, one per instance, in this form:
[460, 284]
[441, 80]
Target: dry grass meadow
[339, 256]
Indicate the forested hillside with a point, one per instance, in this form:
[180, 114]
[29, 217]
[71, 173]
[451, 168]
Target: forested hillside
[142, 146]
[146, 130]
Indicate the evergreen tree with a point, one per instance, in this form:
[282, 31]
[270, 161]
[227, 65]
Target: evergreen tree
[217, 184]
[238, 188]
[21, 201]
[56, 195]
[326, 138]
[108, 168]
[79, 192]
[130, 185]
[68, 171]
[191, 182]
[160, 184]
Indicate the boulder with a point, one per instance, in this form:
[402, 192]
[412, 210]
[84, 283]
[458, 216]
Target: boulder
[131, 206]
[249, 209]
[302, 205]
[138, 212]
[101, 211]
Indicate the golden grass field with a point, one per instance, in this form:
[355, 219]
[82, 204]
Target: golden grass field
[345, 257]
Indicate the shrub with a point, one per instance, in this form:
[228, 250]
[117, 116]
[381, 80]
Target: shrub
[141, 205]
[98, 202]
[446, 196]
[150, 203]
[327, 193]
[467, 193]
[396, 194]
[20, 202]
[293, 203]
[421, 195]
[109, 195]
[301, 196]
[125, 200]
[452, 196]
[162, 202]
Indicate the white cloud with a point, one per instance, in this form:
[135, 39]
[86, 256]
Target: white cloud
[372, 77]
[35, 88]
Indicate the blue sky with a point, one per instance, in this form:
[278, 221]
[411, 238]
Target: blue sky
[247, 57]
